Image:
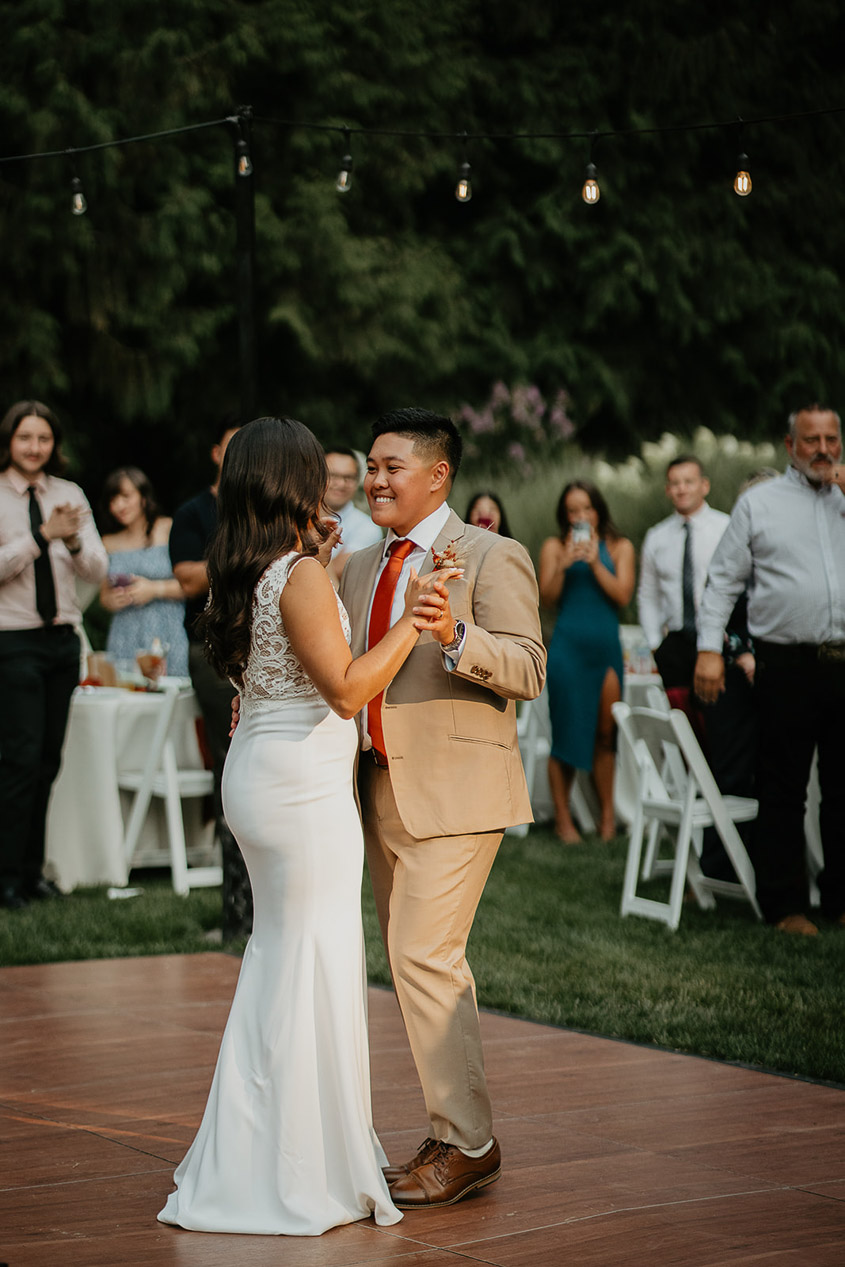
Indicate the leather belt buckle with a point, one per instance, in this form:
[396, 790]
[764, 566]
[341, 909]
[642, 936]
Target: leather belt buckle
[832, 652]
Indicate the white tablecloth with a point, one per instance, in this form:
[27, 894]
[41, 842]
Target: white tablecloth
[110, 729]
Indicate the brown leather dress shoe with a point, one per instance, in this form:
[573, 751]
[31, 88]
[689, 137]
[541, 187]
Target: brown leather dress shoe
[446, 1176]
[797, 924]
[392, 1173]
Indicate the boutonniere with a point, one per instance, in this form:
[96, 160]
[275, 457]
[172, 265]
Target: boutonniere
[448, 557]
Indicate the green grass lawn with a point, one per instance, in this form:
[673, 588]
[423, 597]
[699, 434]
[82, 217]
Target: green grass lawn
[548, 944]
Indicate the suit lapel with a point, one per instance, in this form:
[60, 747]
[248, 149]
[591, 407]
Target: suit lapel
[452, 530]
[359, 603]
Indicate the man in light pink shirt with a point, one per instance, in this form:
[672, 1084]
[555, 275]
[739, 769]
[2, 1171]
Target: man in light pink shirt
[47, 538]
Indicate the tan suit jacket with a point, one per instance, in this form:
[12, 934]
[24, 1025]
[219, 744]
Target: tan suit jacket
[451, 737]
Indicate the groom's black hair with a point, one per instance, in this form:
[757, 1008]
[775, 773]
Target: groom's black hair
[434, 433]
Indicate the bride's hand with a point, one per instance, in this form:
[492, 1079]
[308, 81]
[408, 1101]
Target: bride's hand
[324, 554]
[427, 602]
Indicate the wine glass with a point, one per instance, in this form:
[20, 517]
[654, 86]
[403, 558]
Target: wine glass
[152, 661]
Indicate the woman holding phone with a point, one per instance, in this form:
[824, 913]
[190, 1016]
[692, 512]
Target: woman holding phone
[588, 571]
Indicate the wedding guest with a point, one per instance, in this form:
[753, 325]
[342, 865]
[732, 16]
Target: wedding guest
[674, 560]
[588, 571]
[357, 529]
[47, 539]
[286, 1144]
[485, 510]
[786, 543]
[141, 592]
[194, 525]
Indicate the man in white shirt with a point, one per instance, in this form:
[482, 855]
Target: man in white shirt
[675, 557]
[357, 529]
[673, 570]
[786, 543]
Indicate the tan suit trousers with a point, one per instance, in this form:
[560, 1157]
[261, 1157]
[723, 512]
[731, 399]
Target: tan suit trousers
[427, 892]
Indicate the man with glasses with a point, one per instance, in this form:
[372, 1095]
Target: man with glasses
[357, 529]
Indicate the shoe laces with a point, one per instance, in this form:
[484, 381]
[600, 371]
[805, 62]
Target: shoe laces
[439, 1158]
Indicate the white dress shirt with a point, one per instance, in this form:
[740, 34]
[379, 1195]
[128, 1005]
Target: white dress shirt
[356, 528]
[660, 602]
[786, 541]
[19, 550]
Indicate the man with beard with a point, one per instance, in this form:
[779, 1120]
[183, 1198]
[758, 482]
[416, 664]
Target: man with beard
[786, 542]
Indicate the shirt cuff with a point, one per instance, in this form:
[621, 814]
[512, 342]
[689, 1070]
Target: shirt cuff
[451, 658]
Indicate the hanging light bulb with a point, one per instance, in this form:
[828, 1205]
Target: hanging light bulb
[244, 160]
[78, 205]
[742, 180]
[590, 191]
[463, 189]
[344, 177]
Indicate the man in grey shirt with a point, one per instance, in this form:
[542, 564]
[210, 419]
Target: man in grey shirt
[786, 542]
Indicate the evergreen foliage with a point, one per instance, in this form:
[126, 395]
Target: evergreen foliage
[670, 304]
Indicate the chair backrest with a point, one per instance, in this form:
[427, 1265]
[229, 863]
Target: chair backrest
[636, 755]
[648, 734]
[699, 769]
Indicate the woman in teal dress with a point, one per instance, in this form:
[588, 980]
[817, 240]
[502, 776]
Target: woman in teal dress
[140, 591]
[588, 570]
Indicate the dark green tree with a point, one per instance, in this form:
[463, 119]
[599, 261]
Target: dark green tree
[670, 303]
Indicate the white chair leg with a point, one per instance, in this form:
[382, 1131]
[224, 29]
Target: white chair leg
[632, 862]
[175, 826]
[650, 859]
[682, 857]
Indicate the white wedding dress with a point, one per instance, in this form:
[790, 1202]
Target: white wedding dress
[286, 1143]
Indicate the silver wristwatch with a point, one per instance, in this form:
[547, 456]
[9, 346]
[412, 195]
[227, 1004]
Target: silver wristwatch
[460, 630]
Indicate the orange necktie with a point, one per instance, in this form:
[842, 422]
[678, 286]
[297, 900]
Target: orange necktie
[379, 625]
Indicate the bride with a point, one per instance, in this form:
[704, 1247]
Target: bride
[286, 1144]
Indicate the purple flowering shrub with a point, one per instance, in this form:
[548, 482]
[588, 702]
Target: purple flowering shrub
[516, 428]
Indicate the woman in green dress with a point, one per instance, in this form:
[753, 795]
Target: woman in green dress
[588, 571]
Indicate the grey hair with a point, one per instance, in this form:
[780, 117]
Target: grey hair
[815, 408]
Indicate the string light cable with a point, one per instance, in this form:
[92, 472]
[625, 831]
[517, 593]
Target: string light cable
[742, 181]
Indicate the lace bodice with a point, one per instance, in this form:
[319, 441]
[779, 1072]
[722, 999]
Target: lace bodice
[274, 673]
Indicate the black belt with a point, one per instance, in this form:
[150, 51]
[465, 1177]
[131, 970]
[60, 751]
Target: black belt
[785, 654]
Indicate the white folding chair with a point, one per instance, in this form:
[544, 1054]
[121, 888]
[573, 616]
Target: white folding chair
[160, 776]
[677, 791]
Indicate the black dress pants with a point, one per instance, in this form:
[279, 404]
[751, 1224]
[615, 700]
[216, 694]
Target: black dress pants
[800, 697]
[214, 696]
[727, 731]
[39, 669]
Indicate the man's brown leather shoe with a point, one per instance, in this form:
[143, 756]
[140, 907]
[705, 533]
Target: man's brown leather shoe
[446, 1176]
[797, 924]
[392, 1173]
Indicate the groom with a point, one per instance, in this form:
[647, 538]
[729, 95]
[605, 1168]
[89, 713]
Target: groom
[440, 776]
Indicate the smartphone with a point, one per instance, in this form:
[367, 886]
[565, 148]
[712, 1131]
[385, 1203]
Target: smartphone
[581, 531]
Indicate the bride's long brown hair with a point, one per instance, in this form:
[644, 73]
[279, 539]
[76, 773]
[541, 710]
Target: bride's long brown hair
[271, 488]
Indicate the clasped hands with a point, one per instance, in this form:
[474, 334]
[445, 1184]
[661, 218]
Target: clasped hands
[137, 593]
[63, 524]
[427, 603]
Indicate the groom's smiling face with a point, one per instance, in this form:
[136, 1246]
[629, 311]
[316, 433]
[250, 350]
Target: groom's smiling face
[403, 485]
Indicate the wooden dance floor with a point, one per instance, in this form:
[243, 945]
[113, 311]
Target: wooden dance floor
[613, 1154]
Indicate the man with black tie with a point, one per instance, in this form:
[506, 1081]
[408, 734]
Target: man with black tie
[673, 569]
